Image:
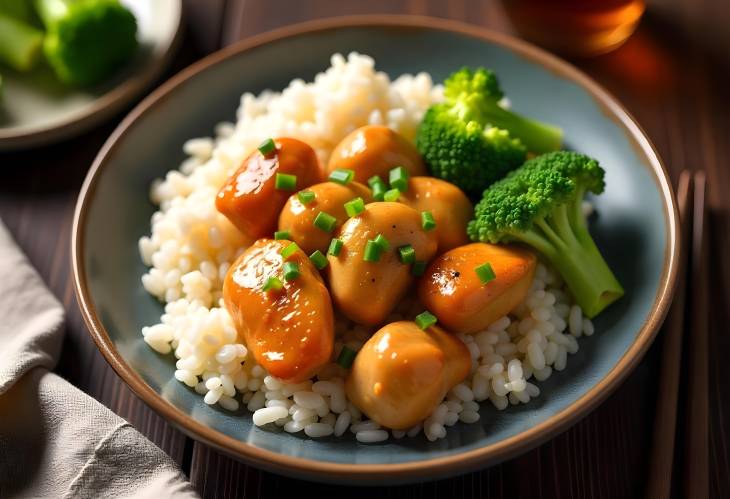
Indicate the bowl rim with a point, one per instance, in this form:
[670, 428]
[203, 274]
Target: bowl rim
[428, 468]
[106, 104]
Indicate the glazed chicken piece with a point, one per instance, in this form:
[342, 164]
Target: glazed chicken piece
[298, 217]
[375, 150]
[402, 373]
[250, 198]
[367, 291]
[450, 207]
[453, 291]
[290, 331]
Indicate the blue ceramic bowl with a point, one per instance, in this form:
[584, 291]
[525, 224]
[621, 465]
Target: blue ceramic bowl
[636, 230]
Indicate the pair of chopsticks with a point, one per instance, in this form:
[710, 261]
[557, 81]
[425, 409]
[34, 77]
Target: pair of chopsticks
[686, 326]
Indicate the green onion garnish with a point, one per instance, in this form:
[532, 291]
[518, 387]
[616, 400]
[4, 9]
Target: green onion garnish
[372, 251]
[285, 182]
[272, 284]
[341, 176]
[291, 270]
[346, 357]
[374, 180]
[398, 178]
[289, 250]
[355, 207]
[391, 195]
[427, 221]
[378, 187]
[485, 272]
[335, 247]
[382, 242]
[324, 221]
[306, 197]
[407, 254]
[418, 268]
[281, 234]
[318, 259]
[379, 192]
[425, 320]
[267, 147]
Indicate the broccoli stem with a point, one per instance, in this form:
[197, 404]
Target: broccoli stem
[538, 137]
[20, 44]
[564, 239]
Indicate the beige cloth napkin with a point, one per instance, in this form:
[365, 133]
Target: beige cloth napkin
[56, 441]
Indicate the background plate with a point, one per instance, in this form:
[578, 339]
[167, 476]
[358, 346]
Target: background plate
[37, 109]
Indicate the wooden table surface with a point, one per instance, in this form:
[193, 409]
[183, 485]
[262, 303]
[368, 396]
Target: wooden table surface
[673, 75]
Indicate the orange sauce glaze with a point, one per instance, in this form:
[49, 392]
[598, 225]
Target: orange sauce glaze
[291, 331]
[249, 198]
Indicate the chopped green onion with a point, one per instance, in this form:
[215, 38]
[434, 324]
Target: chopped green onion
[382, 242]
[267, 147]
[392, 195]
[291, 270]
[374, 180]
[372, 251]
[306, 197]
[485, 272]
[398, 178]
[272, 284]
[318, 259]
[407, 254]
[324, 221]
[346, 357]
[427, 221]
[285, 182]
[379, 192]
[418, 268]
[335, 247]
[378, 187]
[341, 176]
[425, 320]
[355, 207]
[282, 234]
[289, 250]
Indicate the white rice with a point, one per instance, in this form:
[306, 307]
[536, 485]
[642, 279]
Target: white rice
[191, 247]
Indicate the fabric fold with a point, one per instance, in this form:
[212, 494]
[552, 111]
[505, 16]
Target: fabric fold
[30, 316]
[56, 441]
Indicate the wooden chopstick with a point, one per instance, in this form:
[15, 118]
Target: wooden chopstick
[659, 483]
[697, 456]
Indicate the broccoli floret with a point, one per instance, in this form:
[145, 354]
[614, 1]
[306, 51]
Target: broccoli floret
[540, 204]
[471, 140]
[463, 153]
[86, 40]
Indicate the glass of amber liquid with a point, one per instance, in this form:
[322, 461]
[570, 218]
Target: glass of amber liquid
[575, 27]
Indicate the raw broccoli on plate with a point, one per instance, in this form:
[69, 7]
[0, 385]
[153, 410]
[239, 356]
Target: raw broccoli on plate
[86, 39]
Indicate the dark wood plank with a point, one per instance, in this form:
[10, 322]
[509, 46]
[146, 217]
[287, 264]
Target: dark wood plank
[206, 21]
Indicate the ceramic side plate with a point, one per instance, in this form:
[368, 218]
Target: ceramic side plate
[636, 230]
[37, 109]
